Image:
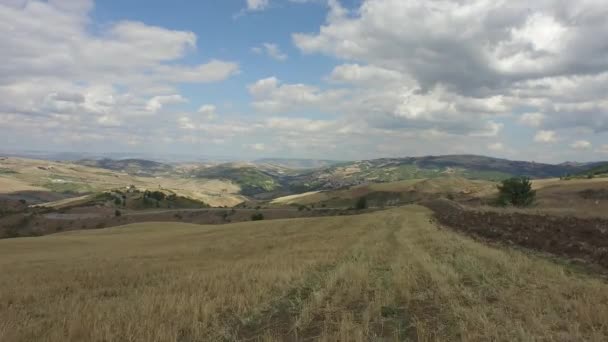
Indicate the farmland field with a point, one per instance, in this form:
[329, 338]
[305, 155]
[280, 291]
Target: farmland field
[386, 276]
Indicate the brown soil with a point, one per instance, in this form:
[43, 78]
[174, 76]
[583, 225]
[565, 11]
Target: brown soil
[573, 237]
[596, 194]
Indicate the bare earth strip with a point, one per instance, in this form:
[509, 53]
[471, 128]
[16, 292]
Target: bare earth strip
[385, 276]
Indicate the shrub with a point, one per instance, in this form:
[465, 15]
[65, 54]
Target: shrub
[257, 217]
[516, 191]
[361, 203]
[117, 213]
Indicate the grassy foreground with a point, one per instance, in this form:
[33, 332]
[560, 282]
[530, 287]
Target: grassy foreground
[387, 276]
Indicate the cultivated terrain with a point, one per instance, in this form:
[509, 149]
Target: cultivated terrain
[390, 275]
[409, 249]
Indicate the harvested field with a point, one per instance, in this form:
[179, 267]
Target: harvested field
[385, 276]
[569, 236]
[43, 221]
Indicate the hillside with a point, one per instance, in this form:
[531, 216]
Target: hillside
[597, 170]
[39, 181]
[394, 193]
[251, 179]
[397, 169]
[292, 163]
[140, 167]
[390, 275]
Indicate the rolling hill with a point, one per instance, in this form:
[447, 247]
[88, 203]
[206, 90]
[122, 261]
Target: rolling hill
[397, 169]
[251, 178]
[394, 193]
[140, 167]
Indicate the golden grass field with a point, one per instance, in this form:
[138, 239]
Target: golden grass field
[385, 276]
[441, 185]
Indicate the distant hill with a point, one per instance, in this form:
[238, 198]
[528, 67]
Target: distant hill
[595, 169]
[397, 169]
[269, 178]
[251, 178]
[139, 167]
[298, 163]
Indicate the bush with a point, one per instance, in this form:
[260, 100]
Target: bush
[257, 217]
[117, 213]
[516, 191]
[361, 203]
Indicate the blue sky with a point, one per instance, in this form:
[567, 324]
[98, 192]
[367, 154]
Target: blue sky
[335, 79]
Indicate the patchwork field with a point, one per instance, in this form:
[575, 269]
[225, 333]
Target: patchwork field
[385, 276]
[42, 181]
[393, 193]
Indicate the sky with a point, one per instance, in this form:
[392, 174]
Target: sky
[329, 79]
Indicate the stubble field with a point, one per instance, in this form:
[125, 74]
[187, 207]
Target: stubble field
[384, 276]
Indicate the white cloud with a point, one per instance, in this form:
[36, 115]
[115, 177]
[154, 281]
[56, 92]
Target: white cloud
[545, 137]
[272, 50]
[497, 147]
[158, 102]
[272, 96]
[364, 75]
[258, 147]
[126, 69]
[208, 111]
[581, 145]
[496, 57]
[602, 149]
[185, 122]
[532, 119]
[257, 5]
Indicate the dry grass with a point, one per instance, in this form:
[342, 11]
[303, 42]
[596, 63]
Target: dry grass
[440, 185]
[387, 275]
[40, 175]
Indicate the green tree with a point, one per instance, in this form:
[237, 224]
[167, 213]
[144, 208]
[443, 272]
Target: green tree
[361, 203]
[516, 191]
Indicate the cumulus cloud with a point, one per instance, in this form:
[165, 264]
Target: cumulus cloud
[271, 50]
[270, 95]
[444, 62]
[52, 66]
[496, 147]
[545, 137]
[257, 5]
[157, 102]
[531, 119]
[603, 149]
[208, 111]
[581, 145]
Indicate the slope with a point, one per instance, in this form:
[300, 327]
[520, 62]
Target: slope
[388, 275]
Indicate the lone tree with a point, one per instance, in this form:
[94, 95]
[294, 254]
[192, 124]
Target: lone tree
[516, 191]
[361, 203]
[257, 217]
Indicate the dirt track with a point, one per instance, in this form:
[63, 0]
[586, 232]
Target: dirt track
[573, 237]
